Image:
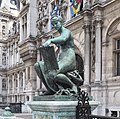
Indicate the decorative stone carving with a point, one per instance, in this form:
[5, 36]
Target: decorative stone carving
[4, 59]
[114, 28]
[63, 5]
[93, 49]
[43, 14]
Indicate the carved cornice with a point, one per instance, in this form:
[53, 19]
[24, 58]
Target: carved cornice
[114, 29]
[7, 15]
[97, 6]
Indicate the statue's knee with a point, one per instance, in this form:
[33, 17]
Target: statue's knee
[58, 77]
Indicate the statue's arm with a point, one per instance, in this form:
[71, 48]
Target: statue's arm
[58, 40]
[61, 39]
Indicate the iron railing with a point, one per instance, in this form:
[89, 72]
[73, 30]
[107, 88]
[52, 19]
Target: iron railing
[102, 117]
[83, 109]
[16, 107]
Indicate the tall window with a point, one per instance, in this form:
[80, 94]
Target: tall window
[118, 57]
[16, 81]
[3, 84]
[28, 72]
[21, 79]
[117, 52]
[24, 26]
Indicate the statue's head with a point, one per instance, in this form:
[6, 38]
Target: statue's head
[56, 22]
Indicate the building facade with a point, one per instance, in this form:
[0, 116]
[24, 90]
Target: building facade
[95, 25]
[17, 81]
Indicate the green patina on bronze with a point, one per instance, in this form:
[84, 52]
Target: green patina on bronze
[55, 98]
[62, 74]
[7, 112]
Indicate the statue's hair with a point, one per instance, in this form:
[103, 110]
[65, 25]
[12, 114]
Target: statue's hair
[56, 18]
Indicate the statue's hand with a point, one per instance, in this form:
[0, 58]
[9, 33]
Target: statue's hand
[47, 43]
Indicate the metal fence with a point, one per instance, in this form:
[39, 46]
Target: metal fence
[102, 117]
[16, 107]
[83, 109]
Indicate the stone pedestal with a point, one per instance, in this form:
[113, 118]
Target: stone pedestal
[59, 109]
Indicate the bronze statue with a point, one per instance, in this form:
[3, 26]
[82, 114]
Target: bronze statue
[65, 77]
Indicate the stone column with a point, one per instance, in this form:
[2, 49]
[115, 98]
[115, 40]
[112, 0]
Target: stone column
[87, 57]
[26, 73]
[21, 30]
[8, 56]
[13, 82]
[1, 87]
[96, 88]
[98, 45]
[0, 29]
[32, 77]
[15, 54]
[24, 80]
[18, 88]
[17, 57]
[0, 55]
[8, 86]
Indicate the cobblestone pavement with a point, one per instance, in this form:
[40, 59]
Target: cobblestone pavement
[24, 115]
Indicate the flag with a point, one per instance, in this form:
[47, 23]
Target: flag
[75, 7]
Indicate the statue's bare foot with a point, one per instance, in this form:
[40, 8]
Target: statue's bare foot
[65, 92]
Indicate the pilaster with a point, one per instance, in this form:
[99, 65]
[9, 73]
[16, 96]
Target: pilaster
[8, 62]
[24, 80]
[13, 82]
[87, 58]
[98, 42]
[18, 88]
[39, 83]
[26, 73]
[8, 85]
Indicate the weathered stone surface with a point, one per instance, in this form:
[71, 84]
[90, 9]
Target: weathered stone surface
[56, 109]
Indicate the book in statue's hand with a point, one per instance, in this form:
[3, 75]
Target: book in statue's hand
[50, 61]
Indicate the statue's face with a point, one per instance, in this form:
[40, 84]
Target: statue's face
[57, 25]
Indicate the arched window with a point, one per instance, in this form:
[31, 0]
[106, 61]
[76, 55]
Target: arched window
[3, 84]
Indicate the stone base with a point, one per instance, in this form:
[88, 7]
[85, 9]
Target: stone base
[53, 109]
[62, 109]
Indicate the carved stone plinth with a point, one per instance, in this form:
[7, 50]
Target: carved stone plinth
[62, 108]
